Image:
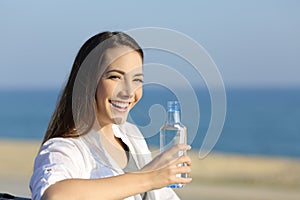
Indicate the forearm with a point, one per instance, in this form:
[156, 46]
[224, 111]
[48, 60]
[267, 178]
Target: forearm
[116, 187]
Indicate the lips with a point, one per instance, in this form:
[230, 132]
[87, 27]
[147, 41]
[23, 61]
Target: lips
[121, 106]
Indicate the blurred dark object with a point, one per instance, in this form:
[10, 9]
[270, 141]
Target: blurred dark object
[5, 196]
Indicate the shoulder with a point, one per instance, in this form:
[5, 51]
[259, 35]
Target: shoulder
[59, 140]
[60, 150]
[60, 144]
[58, 159]
[62, 156]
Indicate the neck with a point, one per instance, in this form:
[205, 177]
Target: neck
[173, 117]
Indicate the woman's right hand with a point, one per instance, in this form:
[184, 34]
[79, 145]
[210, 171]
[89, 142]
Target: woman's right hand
[164, 167]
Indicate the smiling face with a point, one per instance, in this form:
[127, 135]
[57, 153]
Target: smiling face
[120, 87]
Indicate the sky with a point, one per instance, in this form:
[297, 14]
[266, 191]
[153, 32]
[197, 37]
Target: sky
[254, 43]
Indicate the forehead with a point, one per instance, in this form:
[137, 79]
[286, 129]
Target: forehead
[122, 58]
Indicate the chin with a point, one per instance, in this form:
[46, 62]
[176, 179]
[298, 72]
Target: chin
[119, 120]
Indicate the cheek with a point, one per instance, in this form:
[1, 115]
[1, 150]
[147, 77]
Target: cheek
[104, 91]
[139, 94]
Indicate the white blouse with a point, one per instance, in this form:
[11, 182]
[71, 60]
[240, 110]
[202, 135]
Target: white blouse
[85, 158]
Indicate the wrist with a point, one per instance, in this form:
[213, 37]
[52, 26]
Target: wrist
[145, 180]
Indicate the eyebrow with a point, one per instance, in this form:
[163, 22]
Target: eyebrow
[122, 72]
[115, 70]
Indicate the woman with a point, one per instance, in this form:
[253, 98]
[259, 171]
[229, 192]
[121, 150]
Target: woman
[89, 150]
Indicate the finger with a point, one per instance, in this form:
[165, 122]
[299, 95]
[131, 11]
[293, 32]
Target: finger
[183, 170]
[183, 159]
[183, 180]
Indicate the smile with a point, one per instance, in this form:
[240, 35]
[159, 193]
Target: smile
[120, 105]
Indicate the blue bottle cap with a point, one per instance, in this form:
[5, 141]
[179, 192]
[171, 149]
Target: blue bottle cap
[173, 106]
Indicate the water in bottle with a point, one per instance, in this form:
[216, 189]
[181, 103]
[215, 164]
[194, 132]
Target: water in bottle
[173, 132]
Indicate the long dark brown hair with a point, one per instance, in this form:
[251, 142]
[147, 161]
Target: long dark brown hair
[74, 114]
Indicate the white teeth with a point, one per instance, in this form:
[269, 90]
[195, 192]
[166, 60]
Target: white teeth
[119, 104]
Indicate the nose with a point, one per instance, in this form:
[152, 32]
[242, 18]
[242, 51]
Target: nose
[126, 89]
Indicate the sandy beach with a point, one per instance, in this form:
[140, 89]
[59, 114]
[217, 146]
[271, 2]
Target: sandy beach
[218, 176]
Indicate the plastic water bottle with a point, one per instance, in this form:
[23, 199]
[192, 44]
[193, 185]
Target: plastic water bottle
[173, 132]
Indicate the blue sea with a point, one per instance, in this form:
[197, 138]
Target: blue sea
[260, 121]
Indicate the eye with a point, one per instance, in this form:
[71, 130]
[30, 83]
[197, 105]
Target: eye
[139, 80]
[114, 77]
